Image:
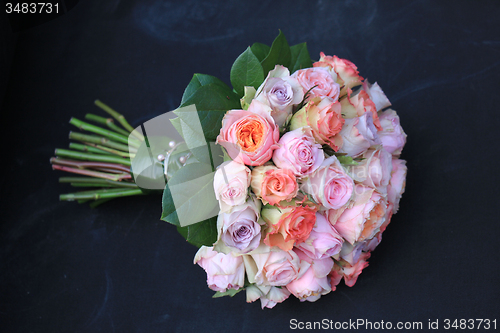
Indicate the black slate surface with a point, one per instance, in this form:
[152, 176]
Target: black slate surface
[67, 268]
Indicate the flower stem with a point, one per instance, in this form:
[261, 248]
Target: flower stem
[106, 133]
[100, 194]
[92, 180]
[110, 150]
[106, 121]
[81, 165]
[92, 157]
[102, 141]
[91, 173]
[120, 118]
[88, 149]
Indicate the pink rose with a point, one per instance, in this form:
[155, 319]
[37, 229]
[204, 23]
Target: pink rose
[351, 272]
[280, 91]
[298, 152]
[274, 267]
[314, 282]
[392, 136]
[319, 82]
[325, 119]
[376, 95]
[239, 229]
[358, 135]
[348, 75]
[323, 242]
[231, 182]
[288, 226]
[249, 136]
[273, 185]
[356, 105]
[329, 185]
[362, 220]
[224, 271]
[374, 170]
[269, 296]
[397, 183]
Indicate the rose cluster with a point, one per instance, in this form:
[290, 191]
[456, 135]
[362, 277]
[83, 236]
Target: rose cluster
[313, 179]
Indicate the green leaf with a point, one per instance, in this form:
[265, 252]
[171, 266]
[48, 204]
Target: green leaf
[260, 50]
[246, 71]
[189, 197]
[202, 233]
[300, 57]
[279, 54]
[212, 101]
[196, 82]
[346, 160]
[229, 292]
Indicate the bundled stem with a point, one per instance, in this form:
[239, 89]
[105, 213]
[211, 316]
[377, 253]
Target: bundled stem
[103, 158]
[100, 141]
[92, 157]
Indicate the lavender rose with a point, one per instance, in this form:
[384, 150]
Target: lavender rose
[280, 91]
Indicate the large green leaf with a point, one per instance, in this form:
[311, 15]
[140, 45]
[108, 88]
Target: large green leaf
[212, 101]
[300, 57]
[202, 233]
[278, 55]
[246, 71]
[196, 82]
[189, 197]
[260, 50]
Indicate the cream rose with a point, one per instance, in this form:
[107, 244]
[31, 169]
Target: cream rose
[231, 182]
[224, 271]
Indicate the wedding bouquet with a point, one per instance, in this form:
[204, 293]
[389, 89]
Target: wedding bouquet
[285, 182]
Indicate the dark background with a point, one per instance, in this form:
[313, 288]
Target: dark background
[67, 268]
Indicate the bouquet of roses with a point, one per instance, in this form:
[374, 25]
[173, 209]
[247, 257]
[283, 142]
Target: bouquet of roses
[286, 181]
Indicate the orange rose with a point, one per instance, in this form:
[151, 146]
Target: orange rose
[273, 185]
[250, 136]
[288, 225]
